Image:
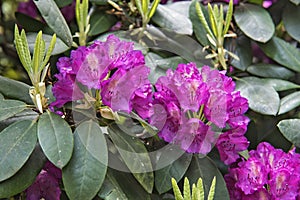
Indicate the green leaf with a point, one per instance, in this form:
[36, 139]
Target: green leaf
[28, 23]
[55, 20]
[38, 53]
[262, 98]
[198, 27]
[1, 97]
[176, 190]
[290, 17]
[270, 71]
[290, 129]
[153, 8]
[186, 189]
[254, 21]
[175, 170]
[205, 168]
[228, 17]
[135, 156]
[296, 2]
[63, 3]
[121, 185]
[49, 52]
[139, 6]
[175, 21]
[17, 142]
[101, 22]
[25, 176]
[59, 47]
[22, 49]
[243, 51]
[212, 190]
[56, 138]
[84, 174]
[202, 18]
[9, 108]
[289, 102]
[283, 53]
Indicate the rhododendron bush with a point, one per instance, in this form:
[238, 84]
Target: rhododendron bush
[139, 99]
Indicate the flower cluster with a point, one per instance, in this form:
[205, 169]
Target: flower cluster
[46, 185]
[197, 107]
[113, 68]
[269, 173]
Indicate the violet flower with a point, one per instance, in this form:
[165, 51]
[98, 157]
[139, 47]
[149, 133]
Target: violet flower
[196, 103]
[113, 68]
[269, 173]
[46, 185]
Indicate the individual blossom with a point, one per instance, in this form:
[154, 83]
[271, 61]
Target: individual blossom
[268, 173]
[46, 185]
[198, 105]
[113, 68]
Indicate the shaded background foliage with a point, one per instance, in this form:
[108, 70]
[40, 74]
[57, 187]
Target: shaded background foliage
[267, 74]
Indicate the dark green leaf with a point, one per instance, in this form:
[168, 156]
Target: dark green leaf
[101, 2]
[101, 22]
[175, 21]
[118, 183]
[290, 17]
[55, 20]
[60, 46]
[290, 129]
[289, 102]
[280, 85]
[270, 71]
[283, 53]
[205, 168]
[198, 28]
[254, 21]
[262, 98]
[17, 143]
[242, 48]
[9, 108]
[56, 138]
[25, 176]
[28, 23]
[135, 155]
[84, 174]
[63, 3]
[175, 170]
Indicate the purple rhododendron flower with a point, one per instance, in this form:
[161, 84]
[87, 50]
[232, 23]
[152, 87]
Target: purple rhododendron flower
[195, 100]
[46, 185]
[114, 68]
[269, 173]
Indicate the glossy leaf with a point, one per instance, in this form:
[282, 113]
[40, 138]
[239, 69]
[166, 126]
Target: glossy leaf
[205, 168]
[283, 53]
[135, 155]
[289, 102]
[28, 23]
[270, 71]
[25, 176]
[101, 22]
[121, 185]
[55, 20]
[17, 142]
[167, 18]
[290, 129]
[9, 108]
[261, 98]
[296, 2]
[254, 21]
[290, 17]
[63, 3]
[198, 27]
[56, 138]
[243, 51]
[175, 170]
[15, 89]
[60, 46]
[84, 174]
